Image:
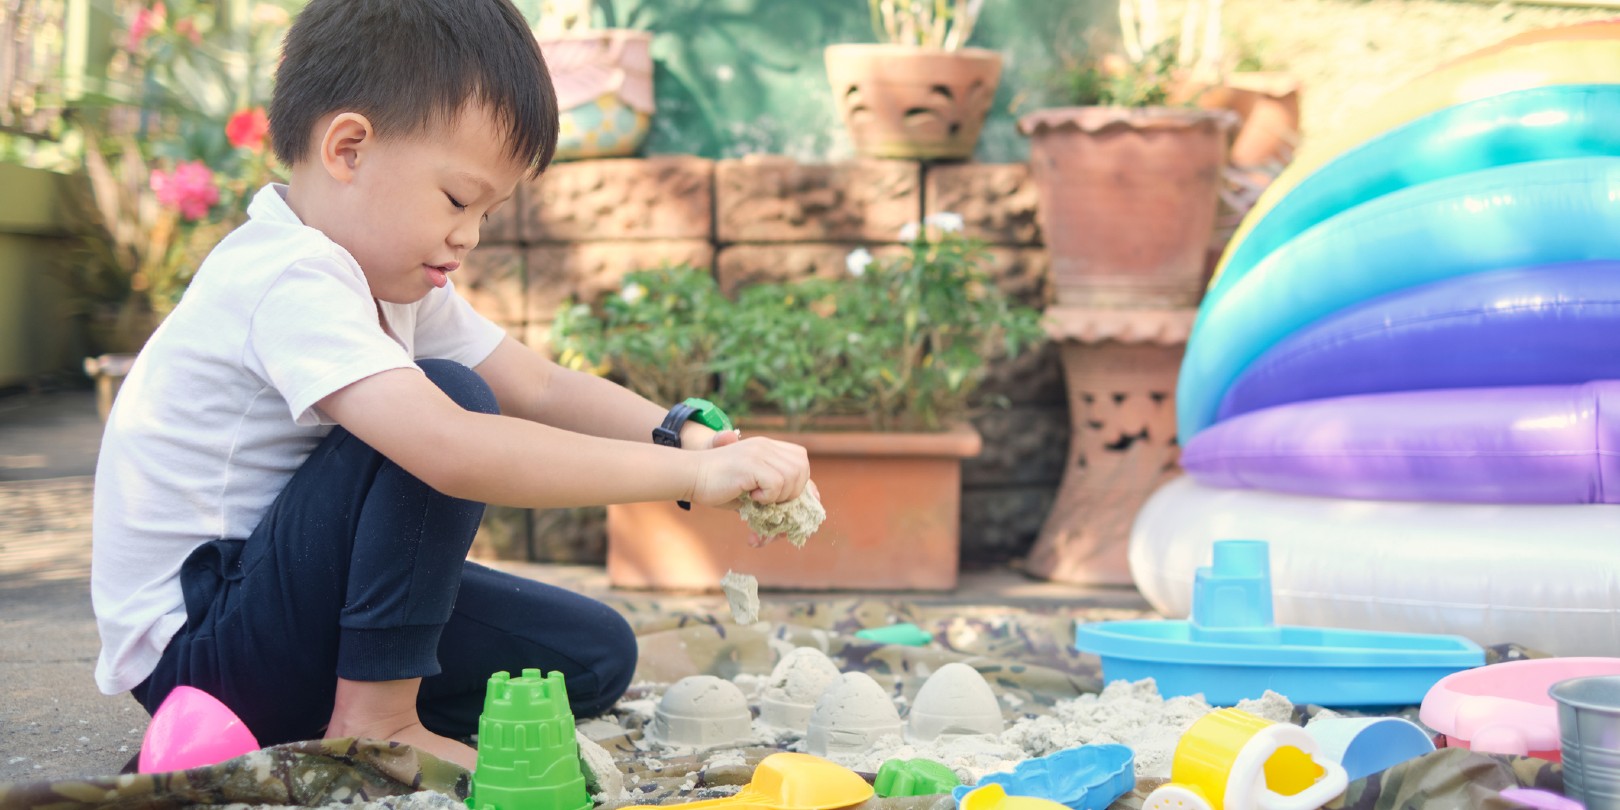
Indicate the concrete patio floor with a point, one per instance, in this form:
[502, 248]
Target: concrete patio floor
[54, 724]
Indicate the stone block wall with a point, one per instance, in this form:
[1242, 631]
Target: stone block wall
[577, 231]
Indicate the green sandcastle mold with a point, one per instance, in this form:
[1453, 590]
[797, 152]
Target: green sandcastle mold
[914, 777]
[527, 756]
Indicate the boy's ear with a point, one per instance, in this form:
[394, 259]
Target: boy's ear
[347, 138]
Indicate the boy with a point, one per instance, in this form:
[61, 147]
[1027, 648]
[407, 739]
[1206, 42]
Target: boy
[286, 494]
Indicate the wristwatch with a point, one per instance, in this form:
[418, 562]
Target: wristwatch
[698, 410]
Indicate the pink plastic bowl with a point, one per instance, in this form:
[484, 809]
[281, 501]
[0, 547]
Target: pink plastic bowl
[1504, 708]
[192, 729]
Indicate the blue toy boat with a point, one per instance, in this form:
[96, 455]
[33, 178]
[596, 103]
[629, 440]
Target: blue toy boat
[1230, 650]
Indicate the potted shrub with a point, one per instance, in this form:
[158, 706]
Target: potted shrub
[919, 94]
[1266, 99]
[1128, 181]
[874, 373]
[603, 77]
[174, 148]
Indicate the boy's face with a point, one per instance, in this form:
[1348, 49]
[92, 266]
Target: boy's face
[414, 206]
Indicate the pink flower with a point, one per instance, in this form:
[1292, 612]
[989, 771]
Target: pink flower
[248, 128]
[189, 188]
[146, 21]
[187, 27]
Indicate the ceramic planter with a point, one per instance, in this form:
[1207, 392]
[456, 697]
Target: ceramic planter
[1268, 105]
[1127, 200]
[893, 519]
[604, 82]
[912, 103]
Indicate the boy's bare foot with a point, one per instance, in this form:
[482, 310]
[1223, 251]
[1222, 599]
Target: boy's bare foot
[386, 710]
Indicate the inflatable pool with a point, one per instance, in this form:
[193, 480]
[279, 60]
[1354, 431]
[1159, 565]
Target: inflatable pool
[1404, 377]
[1547, 577]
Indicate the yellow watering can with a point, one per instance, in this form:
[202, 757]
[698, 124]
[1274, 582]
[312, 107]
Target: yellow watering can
[1233, 760]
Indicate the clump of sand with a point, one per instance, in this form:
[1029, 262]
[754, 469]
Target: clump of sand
[742, 593]
[797, 519]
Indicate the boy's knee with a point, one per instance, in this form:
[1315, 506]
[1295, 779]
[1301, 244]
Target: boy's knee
[461, 383]
[613, 668]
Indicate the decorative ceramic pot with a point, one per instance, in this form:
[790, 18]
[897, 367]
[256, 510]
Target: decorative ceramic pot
[1127, 200]
[913, 103]
[604, 82]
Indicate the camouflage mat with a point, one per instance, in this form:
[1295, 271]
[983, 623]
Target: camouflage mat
[1024, 652]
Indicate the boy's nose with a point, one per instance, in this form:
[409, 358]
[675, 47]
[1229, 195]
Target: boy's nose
[465, 237]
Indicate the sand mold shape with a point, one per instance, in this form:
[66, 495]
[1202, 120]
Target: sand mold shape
[954, 700]
[702, 711]
[851, 715]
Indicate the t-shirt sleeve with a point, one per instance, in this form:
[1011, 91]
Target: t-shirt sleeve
[448, 327]
[315, 331]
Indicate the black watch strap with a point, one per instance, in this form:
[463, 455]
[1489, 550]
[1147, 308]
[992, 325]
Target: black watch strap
[668, 433]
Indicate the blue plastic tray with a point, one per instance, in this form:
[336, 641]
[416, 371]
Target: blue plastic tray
[1327, 667]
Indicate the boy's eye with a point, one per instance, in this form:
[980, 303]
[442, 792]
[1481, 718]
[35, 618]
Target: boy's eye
[455, 202]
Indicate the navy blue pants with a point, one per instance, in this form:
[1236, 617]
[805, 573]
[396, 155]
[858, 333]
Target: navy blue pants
[359, 571]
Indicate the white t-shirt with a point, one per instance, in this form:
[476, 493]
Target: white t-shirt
[218, 411]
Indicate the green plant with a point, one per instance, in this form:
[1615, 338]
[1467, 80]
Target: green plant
[174, 147]
[1148, 65]
[901, 342]
[941, 24]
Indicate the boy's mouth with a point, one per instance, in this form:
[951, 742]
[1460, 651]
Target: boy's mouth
[438, 274]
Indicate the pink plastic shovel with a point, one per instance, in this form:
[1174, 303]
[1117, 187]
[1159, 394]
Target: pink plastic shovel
[192, 729]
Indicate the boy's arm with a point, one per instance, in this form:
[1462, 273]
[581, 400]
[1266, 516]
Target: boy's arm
[516, 462]
[529, 386]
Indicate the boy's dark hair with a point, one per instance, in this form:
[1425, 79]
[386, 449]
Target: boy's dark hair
[406, 64]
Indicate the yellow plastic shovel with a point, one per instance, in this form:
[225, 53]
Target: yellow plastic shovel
[789, 781]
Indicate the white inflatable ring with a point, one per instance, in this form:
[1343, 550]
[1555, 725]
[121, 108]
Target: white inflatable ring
[1545, 576]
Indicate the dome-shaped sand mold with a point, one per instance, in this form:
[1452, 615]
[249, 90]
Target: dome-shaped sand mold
[955, 700]
[701, 711]
[850, 716]
[797, 681]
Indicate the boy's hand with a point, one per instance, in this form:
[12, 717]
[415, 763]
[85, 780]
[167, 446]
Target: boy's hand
[766, 470]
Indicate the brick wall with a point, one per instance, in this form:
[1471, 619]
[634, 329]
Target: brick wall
[578, 230]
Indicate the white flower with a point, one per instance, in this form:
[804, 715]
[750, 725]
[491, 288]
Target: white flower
[945, 221]
[909, 232]
[633, 292]
[857, 261]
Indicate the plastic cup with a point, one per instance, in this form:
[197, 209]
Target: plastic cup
[1589, 731]
[1367, 745]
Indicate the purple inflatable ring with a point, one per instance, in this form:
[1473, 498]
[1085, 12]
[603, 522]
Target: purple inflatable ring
[1552, 325]
[1526, 444]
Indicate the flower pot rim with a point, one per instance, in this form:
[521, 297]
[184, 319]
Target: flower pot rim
[959, 440]
[1097, 118]
[1276, 83]
[891, 49]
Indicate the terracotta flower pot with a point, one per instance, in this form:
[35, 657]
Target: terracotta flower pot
[912, 103]
[893, 522]
[1268, 105]
[604, 83]
[1127, 200]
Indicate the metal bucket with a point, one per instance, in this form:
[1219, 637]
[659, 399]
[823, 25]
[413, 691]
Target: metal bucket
[1589, 730]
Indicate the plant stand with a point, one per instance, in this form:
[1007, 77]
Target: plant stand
[108, 370]
[1120, 368]
[893, 505]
